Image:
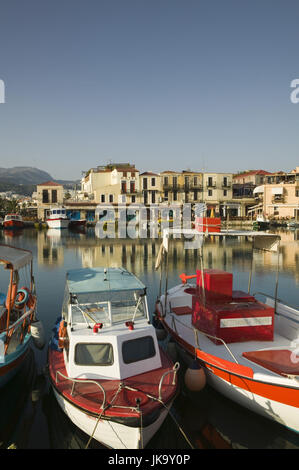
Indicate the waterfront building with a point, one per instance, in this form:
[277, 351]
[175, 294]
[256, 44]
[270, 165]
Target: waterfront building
[151, 188]
[112, 184]
[278, 196]
[48, 194]
[217, 194]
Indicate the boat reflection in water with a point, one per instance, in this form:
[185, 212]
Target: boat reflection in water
[208, 419]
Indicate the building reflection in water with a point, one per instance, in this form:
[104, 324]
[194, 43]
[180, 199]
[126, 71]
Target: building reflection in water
[139, 255]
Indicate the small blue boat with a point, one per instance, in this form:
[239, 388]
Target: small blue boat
[17, 310]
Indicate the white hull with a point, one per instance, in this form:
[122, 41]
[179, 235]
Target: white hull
[58, 223]
[108, 433]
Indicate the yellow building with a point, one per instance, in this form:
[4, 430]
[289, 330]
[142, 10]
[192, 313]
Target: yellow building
[48, 194]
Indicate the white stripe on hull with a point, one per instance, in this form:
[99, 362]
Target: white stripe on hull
[281, 413]
[109, 433]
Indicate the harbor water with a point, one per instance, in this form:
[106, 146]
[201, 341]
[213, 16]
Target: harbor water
[30, 416]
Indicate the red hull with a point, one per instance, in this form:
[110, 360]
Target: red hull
[13, 224]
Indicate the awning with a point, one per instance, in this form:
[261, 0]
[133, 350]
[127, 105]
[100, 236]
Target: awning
[16, 257]
[258, 189]
[278, 190]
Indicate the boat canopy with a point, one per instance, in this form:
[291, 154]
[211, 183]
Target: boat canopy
[261, 240]
[91, 280]
[17, 258]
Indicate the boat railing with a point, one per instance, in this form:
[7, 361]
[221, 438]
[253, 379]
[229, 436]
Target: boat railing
[20, 320]
[82, 381]
[196, 331]
[170, 371]
[275, 299]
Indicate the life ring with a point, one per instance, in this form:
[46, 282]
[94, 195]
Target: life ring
[22, 298]
[62, 334]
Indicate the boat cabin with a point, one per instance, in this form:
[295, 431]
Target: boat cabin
[56, 213]
[108, 332]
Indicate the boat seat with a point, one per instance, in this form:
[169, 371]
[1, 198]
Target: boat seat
[276, 360]
[181, 310]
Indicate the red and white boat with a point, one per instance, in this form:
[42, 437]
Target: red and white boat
[13, 221]
[57, 218]
[108, 373]
[247, 350]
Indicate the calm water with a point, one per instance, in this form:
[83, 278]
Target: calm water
[33, 420]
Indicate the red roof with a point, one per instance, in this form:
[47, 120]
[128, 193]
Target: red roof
[253, 172]
[49, 183]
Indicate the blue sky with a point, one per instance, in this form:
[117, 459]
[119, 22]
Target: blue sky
[164, 84]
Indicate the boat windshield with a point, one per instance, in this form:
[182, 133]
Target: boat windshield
[109, 307]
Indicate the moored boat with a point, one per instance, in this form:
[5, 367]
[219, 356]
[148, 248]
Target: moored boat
[17, 311]
[107, 371]
[13, 221]
[248, 349]
[57, 218]
[77, 224]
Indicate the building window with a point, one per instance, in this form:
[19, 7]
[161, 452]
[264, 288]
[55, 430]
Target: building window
[102, 197]
[54, 195]
[132, 186]
[175, 181]
[166, 180]
[225, 192]
[195, 180]
[297, 192]
[210, 192]
[110, 198]
[195, 195]
[153, 181]
[133, 199]
[125, 174]
[225, 181]
[175, 195]
[45, 196]
[210, 181]
[153, 197]
[123, 187]
[144, 183]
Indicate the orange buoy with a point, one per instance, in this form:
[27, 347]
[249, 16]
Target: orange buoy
[195, 377]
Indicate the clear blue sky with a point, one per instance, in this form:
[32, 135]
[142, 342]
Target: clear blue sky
[164, 84]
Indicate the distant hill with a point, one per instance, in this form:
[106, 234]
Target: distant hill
[23, 179]
[24, 175]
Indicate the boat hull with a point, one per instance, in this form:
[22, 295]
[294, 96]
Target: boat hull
[273, 400]
[111, 434]
[13, 362]
[13, 224]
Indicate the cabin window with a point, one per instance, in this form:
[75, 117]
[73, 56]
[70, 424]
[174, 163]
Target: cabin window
[138, 349]
[94, 354]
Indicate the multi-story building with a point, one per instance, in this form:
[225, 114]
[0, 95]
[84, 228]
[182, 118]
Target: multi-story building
[278, 197]
[112, 184]
[217, 194]
[48, 194]
[150, 186]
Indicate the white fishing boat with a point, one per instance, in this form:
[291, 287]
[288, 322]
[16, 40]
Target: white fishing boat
[108, 373]
[246, 349]
[57, 218]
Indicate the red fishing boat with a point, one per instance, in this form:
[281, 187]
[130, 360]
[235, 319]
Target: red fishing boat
[108, 373]
[13, 221]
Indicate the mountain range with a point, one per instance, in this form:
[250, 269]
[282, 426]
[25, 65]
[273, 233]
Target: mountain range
[27, 175]
[23, 179]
